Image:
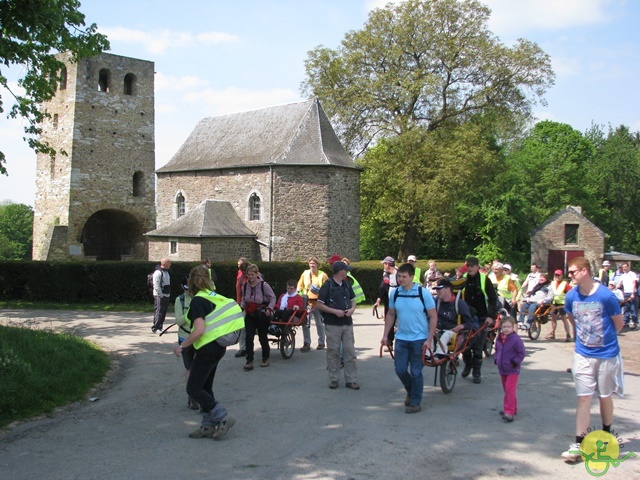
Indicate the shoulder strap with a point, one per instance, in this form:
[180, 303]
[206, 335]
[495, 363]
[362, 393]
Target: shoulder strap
[182, 301]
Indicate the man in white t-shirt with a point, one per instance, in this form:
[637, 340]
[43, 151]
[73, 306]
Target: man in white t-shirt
[628, 282]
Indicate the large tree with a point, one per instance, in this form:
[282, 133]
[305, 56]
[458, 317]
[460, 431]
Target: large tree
[16, 225]
[424, 63]
[32, 32]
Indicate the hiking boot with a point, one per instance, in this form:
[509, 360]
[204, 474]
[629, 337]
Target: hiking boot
[507, 418]
[352, 386]
[573, 454]
[477, 380]
[466, 371]
[241, 353]
[333, 384]
[413, 409]
[320, 347]
[221, 428]
[407, 401]
[203, 431]
[192, 404]
[305, 348]
[248, 366]
[265, 362]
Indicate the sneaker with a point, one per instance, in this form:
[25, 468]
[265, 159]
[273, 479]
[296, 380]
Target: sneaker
[507, 418]
[407, 401]
[320, 347]
[248, 366]
[465, 372]
[413, 409]
[265, 362]
[192, 404]
[305, 348]
[241, 353]
[154, 330]
[203, 431]
[223, 427]
[333, 384]
[573, 454]
[352, 386]
[477, 380]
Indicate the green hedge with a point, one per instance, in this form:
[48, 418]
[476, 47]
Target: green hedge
[113, 282]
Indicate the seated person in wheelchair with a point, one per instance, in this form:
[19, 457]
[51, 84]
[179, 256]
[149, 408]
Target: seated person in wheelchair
[454, 316]
[289, 303]
[541, 294]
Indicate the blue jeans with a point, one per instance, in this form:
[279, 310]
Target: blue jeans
[629, 312]
[408, 363]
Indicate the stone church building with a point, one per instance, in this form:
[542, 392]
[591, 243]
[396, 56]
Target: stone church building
[273, 184]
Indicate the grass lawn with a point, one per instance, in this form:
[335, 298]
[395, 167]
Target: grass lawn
[41, 370]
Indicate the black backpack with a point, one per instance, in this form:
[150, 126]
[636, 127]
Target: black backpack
[150, 278]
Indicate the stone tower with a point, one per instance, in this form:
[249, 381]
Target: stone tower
[96, 202]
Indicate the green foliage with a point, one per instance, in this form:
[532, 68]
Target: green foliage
[16, 229]
[41, 370]
[425, 63]
[32, 32]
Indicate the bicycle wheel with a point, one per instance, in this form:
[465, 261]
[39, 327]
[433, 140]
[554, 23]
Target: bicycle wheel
[448, 372]
[287, 343]
[534, 330]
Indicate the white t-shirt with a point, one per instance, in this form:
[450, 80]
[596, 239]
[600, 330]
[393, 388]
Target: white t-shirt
[629, 282]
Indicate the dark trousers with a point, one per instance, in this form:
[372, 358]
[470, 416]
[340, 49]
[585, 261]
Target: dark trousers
[256, 322]
[160, 304]
[203, 371]
[473, 355]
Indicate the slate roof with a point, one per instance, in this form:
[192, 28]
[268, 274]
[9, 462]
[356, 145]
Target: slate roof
[211, 218]
[293, 134]
[562, 212]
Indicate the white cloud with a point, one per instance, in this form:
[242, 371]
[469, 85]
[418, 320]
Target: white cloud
[157, 41]
[510, 17]
[186, 82]
[233, 100]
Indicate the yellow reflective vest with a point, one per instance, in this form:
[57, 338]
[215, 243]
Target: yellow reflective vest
[357, 289]
[417, 276]
[227, 317]
[558, 292]
[503, 288]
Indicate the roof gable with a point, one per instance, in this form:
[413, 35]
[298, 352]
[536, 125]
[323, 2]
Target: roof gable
[211, 218]
[293, 134]
[564, 211]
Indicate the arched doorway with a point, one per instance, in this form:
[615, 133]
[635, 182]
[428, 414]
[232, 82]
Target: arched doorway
[109, 234]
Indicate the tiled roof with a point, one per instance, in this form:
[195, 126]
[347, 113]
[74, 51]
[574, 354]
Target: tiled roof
[211, 218]
[293, 134]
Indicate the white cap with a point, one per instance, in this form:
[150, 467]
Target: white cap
[606, 263]
[506, 266]
[412, 258]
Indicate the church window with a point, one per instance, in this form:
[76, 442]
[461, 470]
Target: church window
[138, 184]
[104, 80]
[129, 84]
[181, 205]
[254, 207]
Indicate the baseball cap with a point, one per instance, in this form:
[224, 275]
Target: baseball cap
[389, 260]
[558, 272]
[334, 258]
[506, 266]
[412, 258]
[339, 266]
[442, 283]
[606, 263]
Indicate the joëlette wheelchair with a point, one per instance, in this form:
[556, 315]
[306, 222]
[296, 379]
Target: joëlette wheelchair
[282, 332]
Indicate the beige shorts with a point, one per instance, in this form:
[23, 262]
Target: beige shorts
[603, 376]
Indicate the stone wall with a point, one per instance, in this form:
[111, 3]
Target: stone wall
[551, 236]
[109, 136]
[315, 212]
[195, 249]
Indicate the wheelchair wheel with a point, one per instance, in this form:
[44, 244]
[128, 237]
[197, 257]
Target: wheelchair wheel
[287, 343]
[448, 372]
[488, 345]
[534, 330]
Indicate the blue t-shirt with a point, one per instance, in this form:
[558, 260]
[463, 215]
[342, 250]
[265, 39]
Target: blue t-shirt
[412, 320]
[596, 334]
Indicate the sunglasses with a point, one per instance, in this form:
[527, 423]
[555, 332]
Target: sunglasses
[571, 273]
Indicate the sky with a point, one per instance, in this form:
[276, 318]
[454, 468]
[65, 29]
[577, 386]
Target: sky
[215, 57]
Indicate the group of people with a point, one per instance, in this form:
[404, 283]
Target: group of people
[206, 321]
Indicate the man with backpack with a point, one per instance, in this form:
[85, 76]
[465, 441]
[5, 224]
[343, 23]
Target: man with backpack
[161, 294]
[416, 318]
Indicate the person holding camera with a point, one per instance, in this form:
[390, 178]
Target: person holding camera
[258, 301]
[161, 294]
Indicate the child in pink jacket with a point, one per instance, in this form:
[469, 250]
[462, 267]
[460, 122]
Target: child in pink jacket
[509, 355]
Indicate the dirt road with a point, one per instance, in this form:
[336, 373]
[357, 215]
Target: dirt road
[291, 426]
